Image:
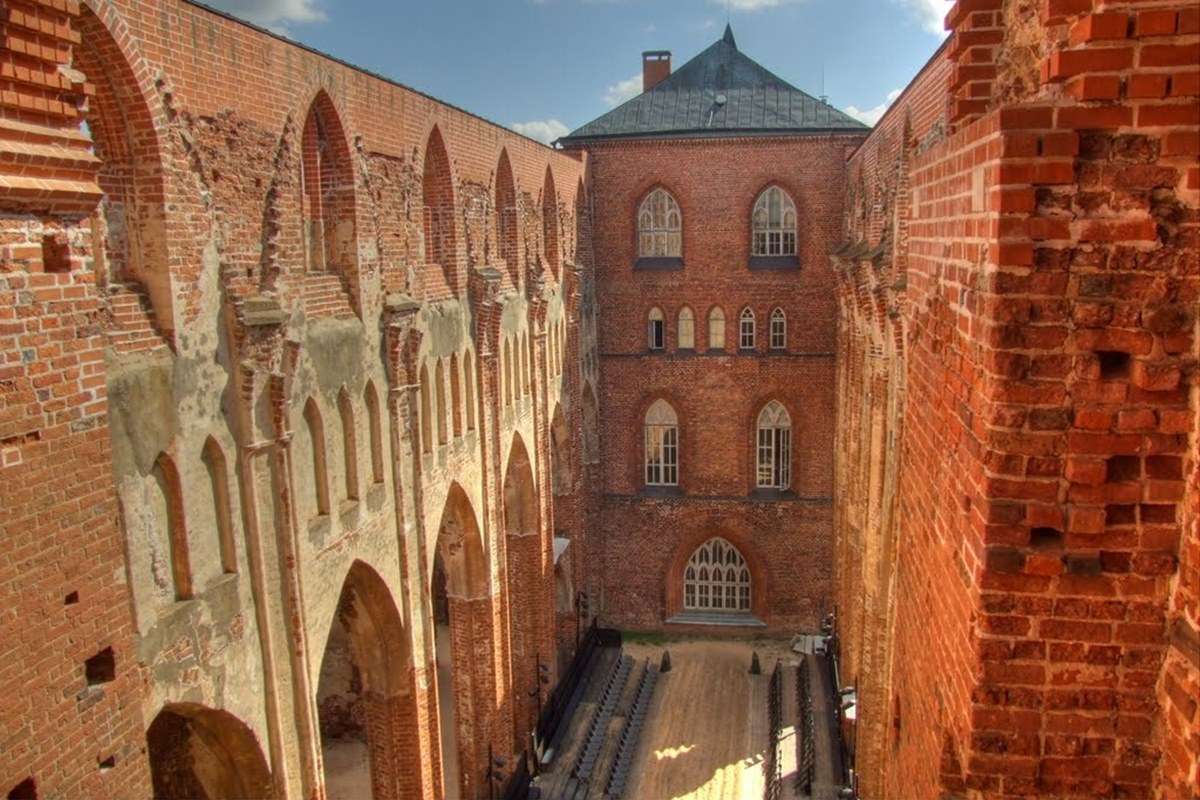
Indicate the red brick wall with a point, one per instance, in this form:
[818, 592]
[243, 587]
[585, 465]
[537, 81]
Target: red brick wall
[717, 397]
[1048, 422]
[62, 576]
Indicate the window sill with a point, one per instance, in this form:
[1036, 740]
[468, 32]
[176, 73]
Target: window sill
[772, 494]
[661, 491]
[724, 618]
[658, 264]
[774, 262]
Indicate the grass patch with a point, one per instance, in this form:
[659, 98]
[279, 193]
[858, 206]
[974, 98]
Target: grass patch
[650, 638]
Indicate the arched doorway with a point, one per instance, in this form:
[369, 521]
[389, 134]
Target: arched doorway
[365, 698]
[717, 579]
[462, 616]
[200, 753]
[523, 559]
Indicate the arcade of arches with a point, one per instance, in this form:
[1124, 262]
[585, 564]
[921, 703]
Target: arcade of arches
[331, 416]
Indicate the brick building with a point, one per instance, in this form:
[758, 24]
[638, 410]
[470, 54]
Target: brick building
[327, 409]
[714, 219]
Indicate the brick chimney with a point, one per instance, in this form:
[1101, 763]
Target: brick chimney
[656, 66]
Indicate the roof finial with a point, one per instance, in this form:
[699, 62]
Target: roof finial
[728, 37]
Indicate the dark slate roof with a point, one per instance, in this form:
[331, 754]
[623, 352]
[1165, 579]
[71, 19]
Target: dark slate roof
[686, 103]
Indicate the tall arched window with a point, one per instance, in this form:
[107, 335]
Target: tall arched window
[656, 336]
[508, 374]
[426, 413]
[437, 187]
[455, 398]
[375, 423]
[659, 226]
[327, 180]
[778, 329]
[774, 224]
[687, 329]
[550, 222]
[716, 329]
[316, 435]
[716, 579]
[349, 443]
[469, 389]
[746, 329]
[774, 447]
[169, 483]
[439, 394]
[214, 461]
[662, 445]
[506, 217]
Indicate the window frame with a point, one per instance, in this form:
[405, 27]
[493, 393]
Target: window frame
[777, 339]
[660, 443]
[773, 448]
[656, 330]
[685, 341]
[730, 592]
[747, 316]
[646, 225]
[720, 316]
[774, 238]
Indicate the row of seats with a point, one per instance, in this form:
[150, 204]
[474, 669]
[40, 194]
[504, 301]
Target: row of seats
[585, 763]
[632, 732]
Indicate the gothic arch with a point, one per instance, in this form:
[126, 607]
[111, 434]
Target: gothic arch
[507, 218]
[327, 193]
[365, 695]
[462, 617]
[196, 751]
[691, 541]
[523, 573]
[166, 475]
[125, 127]
[550, 224]
[441, 225]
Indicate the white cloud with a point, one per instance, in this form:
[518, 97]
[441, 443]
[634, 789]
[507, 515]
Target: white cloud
[544, 130]
[621, 91]
[931, 13]
[870, 116]
[274, 14]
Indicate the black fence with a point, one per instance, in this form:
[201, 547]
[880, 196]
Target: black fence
[556, 715]
[774, 780]
[806, 758]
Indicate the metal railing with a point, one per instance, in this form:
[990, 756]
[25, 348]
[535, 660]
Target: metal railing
[774, 781]
[806, 758]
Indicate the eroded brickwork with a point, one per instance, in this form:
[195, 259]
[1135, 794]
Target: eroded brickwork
[274, 332]
[1041, 240]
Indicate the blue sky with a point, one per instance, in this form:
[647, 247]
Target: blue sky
[547, 66]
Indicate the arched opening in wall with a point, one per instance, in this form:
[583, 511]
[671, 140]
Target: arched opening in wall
[199, 752]
[130, 222]
[508, 374]
[166, 476]
[462, 615]
[349, 443]
[507, 218]
[437, 186]
[366, 703]
[218, 477]
[524, 348]
[523, 559]
[583, 225]
[426, 413]
[560, 466]
[529, 364]
[455, 398]
[550, 223]
[315, 428]
[439, 391]
[375, 421]
[591, 425]
[716, 329]
[717, 579]
[469, 389]
[327, 190]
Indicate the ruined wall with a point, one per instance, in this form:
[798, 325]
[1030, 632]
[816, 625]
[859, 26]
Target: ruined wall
[323, 328]
[717, 393]
[1048, 416]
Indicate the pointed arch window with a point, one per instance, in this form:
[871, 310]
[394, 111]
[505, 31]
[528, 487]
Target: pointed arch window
[426, 413]
[716, 578]
[656, 335]
[662, 445]
[316, 435]
[349, 443]
[716, 329]
[778, 329]
[687, 329]
[469, 389]
[746, 329]
[774, 447]
[774, 224]
[375, 423]
[660, 226]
